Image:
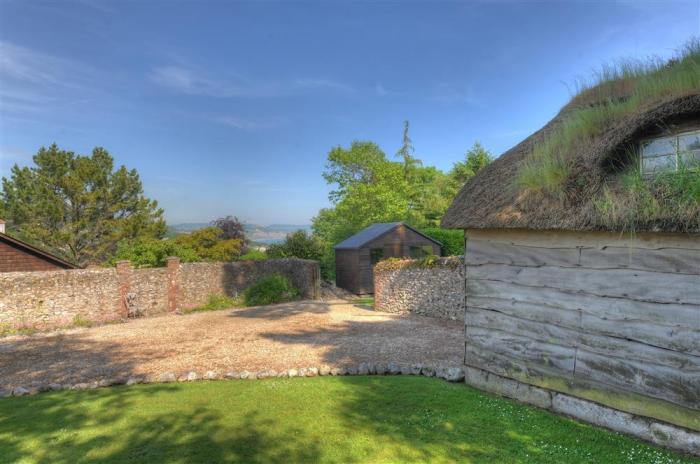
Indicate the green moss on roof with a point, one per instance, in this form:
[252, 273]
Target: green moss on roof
[619, 91]
[564, 175]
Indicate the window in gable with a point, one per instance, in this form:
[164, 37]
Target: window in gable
[669, 153]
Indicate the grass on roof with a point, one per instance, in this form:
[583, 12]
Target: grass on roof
[323, 419]
[616, 91]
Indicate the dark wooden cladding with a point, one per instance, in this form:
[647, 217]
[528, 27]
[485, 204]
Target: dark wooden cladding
[601, 316]
[353, 267]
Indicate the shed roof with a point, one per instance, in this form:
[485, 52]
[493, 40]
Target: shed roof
[26, 247]
[493, 198]
[374, 231]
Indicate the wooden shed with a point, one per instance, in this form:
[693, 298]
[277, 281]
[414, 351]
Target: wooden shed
[356, 256]
[588, 291]
[19, 256]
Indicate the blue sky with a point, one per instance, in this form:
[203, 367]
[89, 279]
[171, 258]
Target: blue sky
[231, 108]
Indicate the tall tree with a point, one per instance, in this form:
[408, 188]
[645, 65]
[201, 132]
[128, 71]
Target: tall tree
[232, 228]
[406, 152]
[475, 159]
[78, 206]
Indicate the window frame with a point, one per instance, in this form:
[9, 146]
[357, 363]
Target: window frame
[373, 252]
[677, 154]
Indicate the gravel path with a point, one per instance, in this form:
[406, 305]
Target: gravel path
[299, 334]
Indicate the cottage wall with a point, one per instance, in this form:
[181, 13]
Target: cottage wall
[606, 317]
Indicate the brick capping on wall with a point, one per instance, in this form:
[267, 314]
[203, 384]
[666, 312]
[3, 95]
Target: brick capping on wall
[50, 299]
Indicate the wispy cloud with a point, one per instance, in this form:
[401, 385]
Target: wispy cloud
[450, 94]
[193, 81]
[323, 84]
[32, 81]
[250, 124]
[380, 90]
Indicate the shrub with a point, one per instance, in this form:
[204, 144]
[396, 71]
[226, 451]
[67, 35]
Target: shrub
[269, 290]
[210, 244]
[215, 303]
[298, 244]
[254, 255]
[150, 252]
[452, 240]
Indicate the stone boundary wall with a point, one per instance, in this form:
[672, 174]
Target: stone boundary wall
[52, 299]
[407, 286]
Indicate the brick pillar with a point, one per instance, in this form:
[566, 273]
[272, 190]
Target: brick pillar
[173, 268]
[124, 274]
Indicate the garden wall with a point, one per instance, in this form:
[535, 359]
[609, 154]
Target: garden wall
[407, 286]
[48, 299]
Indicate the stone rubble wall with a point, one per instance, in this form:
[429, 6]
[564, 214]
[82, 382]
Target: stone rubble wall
[51, 299]
[407, 286]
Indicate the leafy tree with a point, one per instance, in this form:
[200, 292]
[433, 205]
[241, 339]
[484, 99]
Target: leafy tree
[476, 158]
[209, 244]
[151, 252]
[231, 228]
[298, 244]
[79, 206]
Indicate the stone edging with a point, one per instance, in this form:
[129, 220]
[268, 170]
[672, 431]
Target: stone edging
[449, 373]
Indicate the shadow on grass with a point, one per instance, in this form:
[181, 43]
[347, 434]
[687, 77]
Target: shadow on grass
[117, 425]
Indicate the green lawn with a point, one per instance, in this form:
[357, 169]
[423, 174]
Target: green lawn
[326, 419]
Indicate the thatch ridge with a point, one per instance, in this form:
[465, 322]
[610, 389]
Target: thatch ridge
[491, 199]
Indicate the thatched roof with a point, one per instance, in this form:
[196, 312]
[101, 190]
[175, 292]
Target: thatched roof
[492, 198]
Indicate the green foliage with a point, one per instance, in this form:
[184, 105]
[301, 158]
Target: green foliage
[78, 206]
[333, 419]
[617, 91]
[639, 201]
[452, 240]
[254, 255]
[216, 302]
[272, 289]
[209, 244]
[369, 188]
[428, 261]
[80, 321]
[150, 252]
[476, 158]
[298, 244]
[365, 301]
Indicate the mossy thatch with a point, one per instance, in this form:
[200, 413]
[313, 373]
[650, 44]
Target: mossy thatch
[573, 174]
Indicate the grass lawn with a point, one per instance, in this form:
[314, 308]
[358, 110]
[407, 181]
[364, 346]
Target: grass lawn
[326, 419]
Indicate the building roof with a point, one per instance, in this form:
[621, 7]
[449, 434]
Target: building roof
[374, 231]
[495, 199]
[24, 246]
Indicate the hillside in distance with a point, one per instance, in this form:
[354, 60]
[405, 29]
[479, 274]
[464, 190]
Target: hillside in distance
[273, 233]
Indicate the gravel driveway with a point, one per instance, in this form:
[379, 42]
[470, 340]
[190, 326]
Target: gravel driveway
[299, 334]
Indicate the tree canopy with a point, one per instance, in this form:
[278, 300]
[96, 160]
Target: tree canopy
[78, 206]
[368, 188]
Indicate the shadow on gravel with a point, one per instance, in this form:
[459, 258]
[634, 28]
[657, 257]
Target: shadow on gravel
[400, 339]
[283, 310]
[73, 358]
